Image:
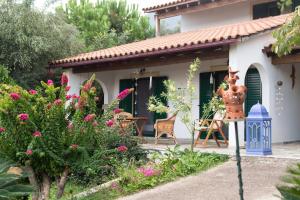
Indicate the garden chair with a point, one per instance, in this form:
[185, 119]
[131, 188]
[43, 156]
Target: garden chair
[124, 120]
[165, 127]
[211, 126]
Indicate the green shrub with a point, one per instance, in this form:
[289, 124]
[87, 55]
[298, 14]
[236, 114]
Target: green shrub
[290, 190]
[10, 186]
[160, 169]
[4, 76]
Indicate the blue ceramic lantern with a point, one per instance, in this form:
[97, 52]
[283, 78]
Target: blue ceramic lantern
[258, 131]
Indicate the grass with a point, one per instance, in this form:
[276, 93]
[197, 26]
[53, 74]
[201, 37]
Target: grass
[163, 169]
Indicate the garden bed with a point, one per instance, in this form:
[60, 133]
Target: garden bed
[161, 168]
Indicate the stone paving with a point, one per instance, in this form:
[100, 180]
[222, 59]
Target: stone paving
[286, 151]
[260, 176]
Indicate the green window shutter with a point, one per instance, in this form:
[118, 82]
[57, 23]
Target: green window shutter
[127, 103]
[158, 89]
[254, 86]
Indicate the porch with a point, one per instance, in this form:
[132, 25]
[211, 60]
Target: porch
[279, 150]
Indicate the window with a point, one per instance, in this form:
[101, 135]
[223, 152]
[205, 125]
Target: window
[266, 10]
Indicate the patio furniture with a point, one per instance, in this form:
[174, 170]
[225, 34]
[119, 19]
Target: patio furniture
[211, 126]
[124, 121]
[165, 127]
[139, 123]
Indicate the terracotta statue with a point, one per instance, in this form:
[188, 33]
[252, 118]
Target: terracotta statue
[233, 97]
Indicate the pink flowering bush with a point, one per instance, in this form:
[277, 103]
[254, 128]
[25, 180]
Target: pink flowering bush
[53, 134]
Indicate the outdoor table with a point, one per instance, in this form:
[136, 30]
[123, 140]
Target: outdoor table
[139, 123]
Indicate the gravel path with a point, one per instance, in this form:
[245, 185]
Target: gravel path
[260, 177]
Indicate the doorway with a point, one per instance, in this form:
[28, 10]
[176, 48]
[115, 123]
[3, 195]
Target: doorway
[137, 103]
[209, 83]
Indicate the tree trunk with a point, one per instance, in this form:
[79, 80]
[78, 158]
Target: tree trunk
[62, 182]
[33, 180]
[46, 187]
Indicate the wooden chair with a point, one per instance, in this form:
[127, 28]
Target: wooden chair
[211, 126]
[123, 120]
[165, 126]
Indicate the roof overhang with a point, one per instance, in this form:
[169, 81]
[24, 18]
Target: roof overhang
[293, 57]
[158, 58]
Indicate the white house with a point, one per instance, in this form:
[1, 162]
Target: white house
[237, 33]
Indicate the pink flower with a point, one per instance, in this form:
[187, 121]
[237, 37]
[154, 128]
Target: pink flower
[32, 92]
[23, 116]
[58, 102]
[28, 152]
[15, 96]
[122, 148]
[87, 86]
[74, 96]
[64, 79]
[2, 129]
[123, 94]
[70, 125]
[117, 110]
[95, 123]
[49, 82]
[67, 88]
[68, 97]
[37, 134]
[114, 185]
[109, 123]
[89, 117]
[147, 172]
[74, 146]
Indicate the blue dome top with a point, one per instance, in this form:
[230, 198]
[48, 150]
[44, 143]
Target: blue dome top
[258, 111]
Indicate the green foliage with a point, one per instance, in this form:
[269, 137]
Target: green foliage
[29, 38]
[284, 5]
[290, 190]
[160, 169]
[40, 130]
[4, 76]
[9, 182]
[107, 23]
[215, 104]
[287, 36]
[181, 99]
[103, 165]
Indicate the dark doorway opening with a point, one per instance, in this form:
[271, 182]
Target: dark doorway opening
[137, 103]
[209, 83]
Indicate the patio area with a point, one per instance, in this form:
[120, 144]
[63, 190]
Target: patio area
[286, 151]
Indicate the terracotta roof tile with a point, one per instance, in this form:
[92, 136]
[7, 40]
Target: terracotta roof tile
[166, 5]
[186, 39]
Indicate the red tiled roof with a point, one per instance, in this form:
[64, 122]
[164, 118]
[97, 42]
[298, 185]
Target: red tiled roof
[166, 5]
[198, 38]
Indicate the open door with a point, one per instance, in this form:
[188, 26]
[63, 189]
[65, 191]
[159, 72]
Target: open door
[137, 103]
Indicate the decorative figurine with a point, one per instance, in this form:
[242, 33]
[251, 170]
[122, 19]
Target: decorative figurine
[233, 98]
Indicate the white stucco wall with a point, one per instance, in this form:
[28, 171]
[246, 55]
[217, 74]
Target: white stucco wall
[246, 53]
[285, 122]
[216, 17]
[175, 72]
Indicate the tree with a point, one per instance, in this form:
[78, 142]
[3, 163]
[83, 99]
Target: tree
[48, 133]
[287, 36]
[107, 23]
[180, 99]
[29, 39]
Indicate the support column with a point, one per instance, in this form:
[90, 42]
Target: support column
[157, 25]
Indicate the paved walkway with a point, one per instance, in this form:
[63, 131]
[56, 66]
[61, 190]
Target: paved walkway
[220, 183]
[286, 151]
